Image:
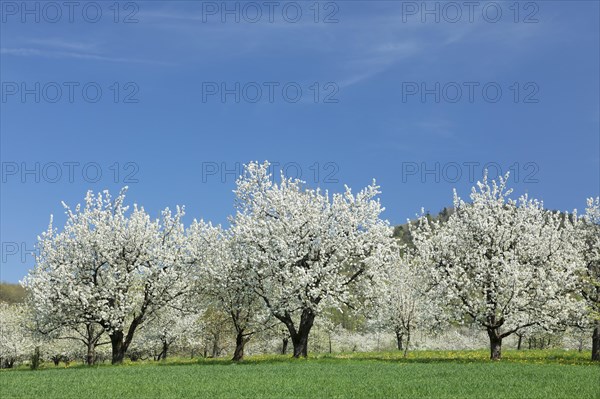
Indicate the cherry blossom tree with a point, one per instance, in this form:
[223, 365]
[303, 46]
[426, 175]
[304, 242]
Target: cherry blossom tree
[308, 250]
[54, 328]
[590, 234]
[226, 281]
[87, 333]
[16, 340]
[62, 350]
[109, 266]
[401, 306]
[168, 327]
[215, 326]
[504, 264]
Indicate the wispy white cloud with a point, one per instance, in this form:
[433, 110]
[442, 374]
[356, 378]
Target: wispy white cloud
[61, 44]
[359, 48]
[377, 60]
[58, 54]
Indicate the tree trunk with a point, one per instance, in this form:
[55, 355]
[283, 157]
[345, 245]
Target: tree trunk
[91, 354]
[596, 343]
[407, 341]
[118, 347]
[215, 347]
[240, 343]
[284, 346]
[91, 340]
[120, 342]
[300, 342]
[35, 358]
[495, 344]
[519, 342]
[399, 338]
[300, 337]
[165, 349]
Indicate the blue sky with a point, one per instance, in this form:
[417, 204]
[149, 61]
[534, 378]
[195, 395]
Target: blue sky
[372, 61]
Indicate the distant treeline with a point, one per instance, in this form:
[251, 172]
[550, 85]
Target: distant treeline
[11, 293]
[402, 231]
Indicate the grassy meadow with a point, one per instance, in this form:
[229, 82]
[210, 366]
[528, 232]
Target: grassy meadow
[425, 374]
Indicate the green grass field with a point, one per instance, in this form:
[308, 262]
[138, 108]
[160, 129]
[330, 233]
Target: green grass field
[465, 374]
